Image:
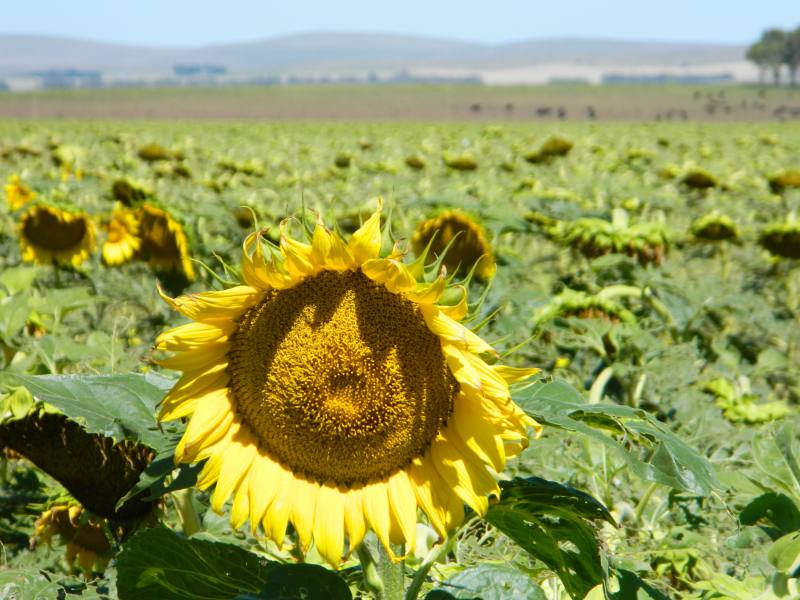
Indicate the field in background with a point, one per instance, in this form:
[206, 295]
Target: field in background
[413, 102]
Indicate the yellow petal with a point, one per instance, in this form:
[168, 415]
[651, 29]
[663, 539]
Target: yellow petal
[477, 431]
[428, 293]
[254, 266]
[181, 400]
[391, 273]
[196, 358]
[276, 518]
[376, 511]
[422, 478]
[470, 485]
[365, 244]
[297, 255]
[304, 502]
[457, 311]
[238, 457]
[262, 487]
[453, 331]
[403, 505]
[193, 335]
[211, 306]
[212, 418]
[241, 501]
[329, 524]
[354, 517]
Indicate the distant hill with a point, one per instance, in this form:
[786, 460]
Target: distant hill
[348, 52]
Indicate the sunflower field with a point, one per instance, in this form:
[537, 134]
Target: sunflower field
[262, 361]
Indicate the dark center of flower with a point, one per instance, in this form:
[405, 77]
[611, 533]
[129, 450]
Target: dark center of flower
[340, 379]
[45, 229]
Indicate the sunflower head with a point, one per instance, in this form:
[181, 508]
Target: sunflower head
[715, 228]
[781, 239]
[332, 390]
[163, 242]
[122, 241]
[17, 193]
[461, 242]
[83, 535]
[49, 235]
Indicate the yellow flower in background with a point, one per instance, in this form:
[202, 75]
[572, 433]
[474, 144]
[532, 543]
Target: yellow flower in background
[121, 242]
[462, 238]
[333, 391]
[50, 235]
[163, 241]
[17, 193]
[83, 535]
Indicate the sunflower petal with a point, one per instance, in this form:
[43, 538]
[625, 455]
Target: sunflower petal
[329, 523]
[365, 244]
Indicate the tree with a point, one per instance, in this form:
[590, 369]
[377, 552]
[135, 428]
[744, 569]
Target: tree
[792, 54]
[770, 52]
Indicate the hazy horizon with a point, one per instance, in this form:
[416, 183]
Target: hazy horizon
[185, 24]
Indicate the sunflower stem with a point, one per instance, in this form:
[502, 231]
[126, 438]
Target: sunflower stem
[421, 574]
[372, 578]
[184, 504]
[392, 572]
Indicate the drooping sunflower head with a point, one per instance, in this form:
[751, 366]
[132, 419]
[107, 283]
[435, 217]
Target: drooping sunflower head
[715, 228]
[781, 239]
[17, 193]
[83, 535]
[333, 391]
[49, 235]
[459, 239]
[122, 241]
[163, 242]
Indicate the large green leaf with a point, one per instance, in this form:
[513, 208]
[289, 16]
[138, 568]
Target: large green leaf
[301, 582]
[489, 581]
[115, 406]
[159, 563]
[650, 449]
[555, 524]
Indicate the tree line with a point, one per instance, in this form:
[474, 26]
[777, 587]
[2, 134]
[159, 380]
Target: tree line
[775, 50]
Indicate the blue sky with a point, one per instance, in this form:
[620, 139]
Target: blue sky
[197, 22]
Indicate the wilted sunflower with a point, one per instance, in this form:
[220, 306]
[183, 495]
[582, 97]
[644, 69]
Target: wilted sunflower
[121, 242]
[463, 239]
[332, 391]
[17, 193]
[163, 241]
[48, 234]
[83, 535]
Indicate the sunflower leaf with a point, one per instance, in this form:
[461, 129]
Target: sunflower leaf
[116, 406]
[488, 581]
[650, 449]
[554, 523]
[186, 569]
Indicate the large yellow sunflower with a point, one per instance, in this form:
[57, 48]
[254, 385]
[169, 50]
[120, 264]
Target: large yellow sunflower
[163, 241]
[17, 193]
[462, 241]
[122, 240]
[332, 390]
[48, 234]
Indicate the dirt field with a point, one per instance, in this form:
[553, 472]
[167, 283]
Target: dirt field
[414, 102]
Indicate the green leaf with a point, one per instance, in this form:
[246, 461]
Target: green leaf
[651, 451]
[27, 585]
[554, 523]
[490, 581]
[632, 587]
[115, 406]
[301, 582]
[773, 453]
[159, 563]
[784, 554]
[774, 508]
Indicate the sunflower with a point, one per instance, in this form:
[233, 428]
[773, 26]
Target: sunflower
[17, 193]
[122, 240]
[48, 234]
[83, 535]
[462, 241]
[333, 391]
[163, 241]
